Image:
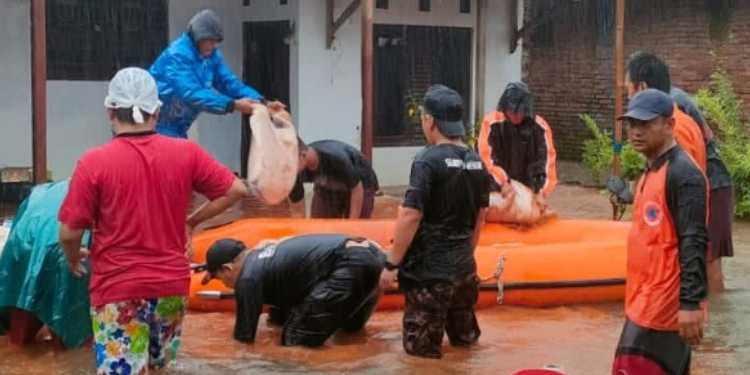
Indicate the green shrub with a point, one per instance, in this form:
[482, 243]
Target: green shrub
[723, 109]
[598, 154]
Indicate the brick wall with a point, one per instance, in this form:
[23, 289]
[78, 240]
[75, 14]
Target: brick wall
[574, 73]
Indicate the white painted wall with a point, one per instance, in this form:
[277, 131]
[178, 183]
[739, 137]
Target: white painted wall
[393, 164]
[329, 87]
[75, 110]
[325, 90]
[76, 122]
[86, 126]
[15, 84]
[330, 84]
[502, 67]
[325, 84]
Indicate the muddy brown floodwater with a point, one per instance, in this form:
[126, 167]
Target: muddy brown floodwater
[580, 339]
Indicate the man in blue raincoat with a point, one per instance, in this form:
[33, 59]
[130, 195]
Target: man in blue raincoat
[192, 77]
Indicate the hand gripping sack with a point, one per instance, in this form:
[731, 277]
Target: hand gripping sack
[522, 208]
[273, 158]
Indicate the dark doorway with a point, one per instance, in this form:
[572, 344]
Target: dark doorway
[266, 68]
[408, 59]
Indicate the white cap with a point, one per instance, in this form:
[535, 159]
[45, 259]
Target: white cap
[133, 88]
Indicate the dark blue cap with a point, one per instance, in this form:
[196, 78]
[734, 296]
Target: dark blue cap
[446, 106]
[648, 105]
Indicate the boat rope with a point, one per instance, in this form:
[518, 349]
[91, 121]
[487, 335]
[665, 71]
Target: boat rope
[497, 276]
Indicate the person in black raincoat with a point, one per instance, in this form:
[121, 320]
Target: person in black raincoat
[315, 284]
[516, 144]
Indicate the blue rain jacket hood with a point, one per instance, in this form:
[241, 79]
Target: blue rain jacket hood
[205, 25]
[189, 83]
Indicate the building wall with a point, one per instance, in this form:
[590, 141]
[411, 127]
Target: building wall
[220, 134]
[329, 83]
[502, 67]
[75, 112]
[76, 122]
[325, 84]
[76, 119]
[15, 89]
[576, 74]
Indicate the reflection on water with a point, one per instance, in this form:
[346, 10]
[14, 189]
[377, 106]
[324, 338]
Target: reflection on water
[511, 339]
[580, 339]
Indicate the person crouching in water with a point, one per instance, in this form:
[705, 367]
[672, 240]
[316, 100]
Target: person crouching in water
[344, 181]
[437, 231]
[316, 284]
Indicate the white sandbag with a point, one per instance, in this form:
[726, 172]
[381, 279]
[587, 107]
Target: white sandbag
[273, 158]
[521, 208]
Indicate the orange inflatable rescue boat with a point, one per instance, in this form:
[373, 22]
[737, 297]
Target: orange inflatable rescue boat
[556, 263]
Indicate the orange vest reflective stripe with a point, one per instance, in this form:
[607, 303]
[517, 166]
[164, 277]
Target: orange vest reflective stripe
[551, 166]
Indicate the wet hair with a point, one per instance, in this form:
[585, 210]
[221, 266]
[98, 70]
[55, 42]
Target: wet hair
[517, 98]
[649, 69]
[126, 115]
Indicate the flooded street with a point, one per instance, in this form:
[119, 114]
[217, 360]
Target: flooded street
[580, 339]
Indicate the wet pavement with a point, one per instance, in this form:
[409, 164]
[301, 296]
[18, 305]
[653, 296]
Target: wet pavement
[580, 339]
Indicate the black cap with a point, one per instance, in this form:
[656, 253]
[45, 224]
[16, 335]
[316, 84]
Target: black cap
[648, 105]
[222, 252]
[446, 106]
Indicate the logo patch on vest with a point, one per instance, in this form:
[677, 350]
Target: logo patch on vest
[652, 214]
[268, 252]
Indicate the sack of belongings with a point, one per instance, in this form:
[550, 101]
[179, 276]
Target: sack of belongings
[523, 207]
[272, 162]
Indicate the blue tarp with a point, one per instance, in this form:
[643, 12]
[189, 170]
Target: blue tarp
[34, 273]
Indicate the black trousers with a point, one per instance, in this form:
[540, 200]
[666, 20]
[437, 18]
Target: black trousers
[345, 299]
